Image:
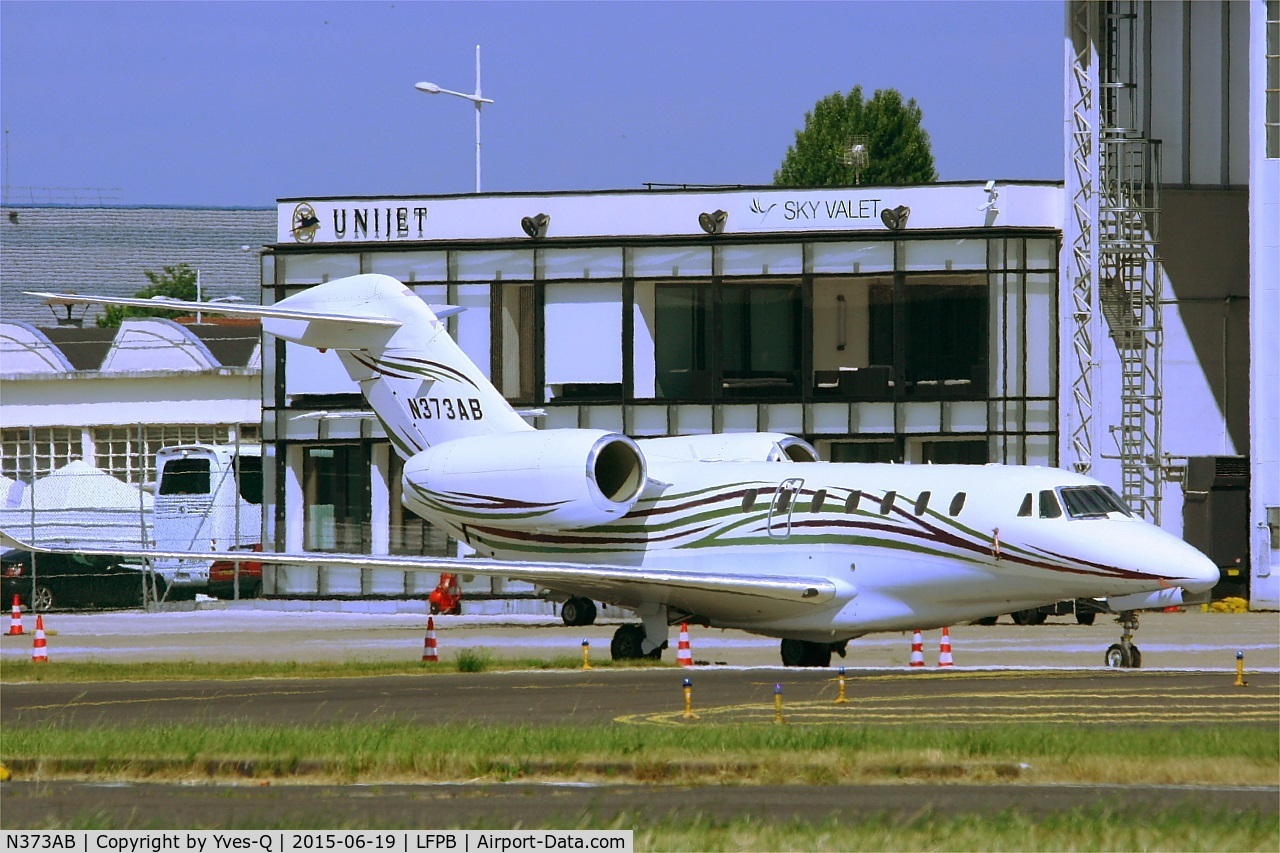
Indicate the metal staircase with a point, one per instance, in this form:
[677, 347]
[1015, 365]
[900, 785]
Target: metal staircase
[1130, 285]
[1111, 235]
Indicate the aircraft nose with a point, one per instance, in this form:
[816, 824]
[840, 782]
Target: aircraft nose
[1191, 570]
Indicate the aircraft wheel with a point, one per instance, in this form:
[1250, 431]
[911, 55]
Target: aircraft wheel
[627, 644]
[42, 599]
[578, 611]
[986, 620]
[1135, 658]
[804, 653]
[1118, 657]
[1032, 616]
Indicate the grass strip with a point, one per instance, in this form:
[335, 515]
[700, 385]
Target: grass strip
[404, 751]
[1213, 828]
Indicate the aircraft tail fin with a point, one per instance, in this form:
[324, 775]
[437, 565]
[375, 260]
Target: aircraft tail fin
[421, 385]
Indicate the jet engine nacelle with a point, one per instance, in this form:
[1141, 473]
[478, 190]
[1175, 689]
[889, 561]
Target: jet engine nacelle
[545, 480]
[731, 447]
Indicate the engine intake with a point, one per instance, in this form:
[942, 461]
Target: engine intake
[544, 480]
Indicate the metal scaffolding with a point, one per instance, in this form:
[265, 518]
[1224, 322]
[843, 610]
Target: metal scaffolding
[1113, 183]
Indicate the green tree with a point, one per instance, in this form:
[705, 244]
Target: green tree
[177, 282]
[897, 144]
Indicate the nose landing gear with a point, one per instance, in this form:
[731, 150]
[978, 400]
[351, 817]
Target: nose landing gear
[1124, 654]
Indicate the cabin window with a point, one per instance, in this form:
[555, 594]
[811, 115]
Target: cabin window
[819, 498]
[887, 504]
[185, 477]
[922, 502]
[1092, 502]
[851, 502]
[784, 501]
[749, 499]
[1049, 507]
[1024, 511]
[957, 503]
[1117, 501]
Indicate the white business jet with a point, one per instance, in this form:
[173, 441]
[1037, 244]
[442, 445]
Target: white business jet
[745, 531]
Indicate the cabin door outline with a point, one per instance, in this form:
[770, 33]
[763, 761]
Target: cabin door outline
[783, 505]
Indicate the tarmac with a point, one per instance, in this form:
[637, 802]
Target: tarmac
[255, 631]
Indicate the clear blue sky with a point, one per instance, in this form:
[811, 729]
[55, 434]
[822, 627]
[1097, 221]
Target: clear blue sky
[241, 103]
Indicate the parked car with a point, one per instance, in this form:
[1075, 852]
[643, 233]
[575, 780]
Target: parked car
[70, 580]
[222, 576]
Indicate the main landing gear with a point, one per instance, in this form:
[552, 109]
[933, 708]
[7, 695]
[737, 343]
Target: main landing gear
[627, 642]
[1124, 654]
[805, 653]
[646, 640]
[578, 611]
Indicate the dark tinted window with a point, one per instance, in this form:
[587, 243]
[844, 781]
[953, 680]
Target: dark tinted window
[922, 502]
[189, 477]
[249, 470]
[957, 503]
[851, 503]
[749, 499]
[1024, 511]
[887, 503]
[1049, 505]
[819, 498]
[1091, 501]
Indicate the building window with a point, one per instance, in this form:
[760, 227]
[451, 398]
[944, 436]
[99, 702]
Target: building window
[514, 341]
[946, 329]
[759, 340]
[853, 337]
[335, 483]
[860, 451]
[682, 341]
[26, 454]
[1273, 79]
[128, 453]
[409, 533]
[967, 451]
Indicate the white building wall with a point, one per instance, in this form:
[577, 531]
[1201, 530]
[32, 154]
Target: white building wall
[1264, 329]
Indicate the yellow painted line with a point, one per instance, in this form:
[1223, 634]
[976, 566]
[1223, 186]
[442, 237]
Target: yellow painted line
[808, 711]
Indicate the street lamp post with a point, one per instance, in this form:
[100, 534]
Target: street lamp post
[433, 89]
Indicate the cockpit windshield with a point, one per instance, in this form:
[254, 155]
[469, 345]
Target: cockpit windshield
[1092, 501]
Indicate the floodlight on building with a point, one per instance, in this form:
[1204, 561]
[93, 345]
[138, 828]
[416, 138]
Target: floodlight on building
[713, 222]
[895, 219]
[536, 226]
[433, 89]
[993, 195]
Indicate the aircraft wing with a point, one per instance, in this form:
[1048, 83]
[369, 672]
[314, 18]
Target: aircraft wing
[724, 595]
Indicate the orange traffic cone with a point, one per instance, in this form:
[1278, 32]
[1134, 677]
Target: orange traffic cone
[917, 649]
[38, 652]
[684, 655]
[429, 652]
[15, 621]
[944, 649]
